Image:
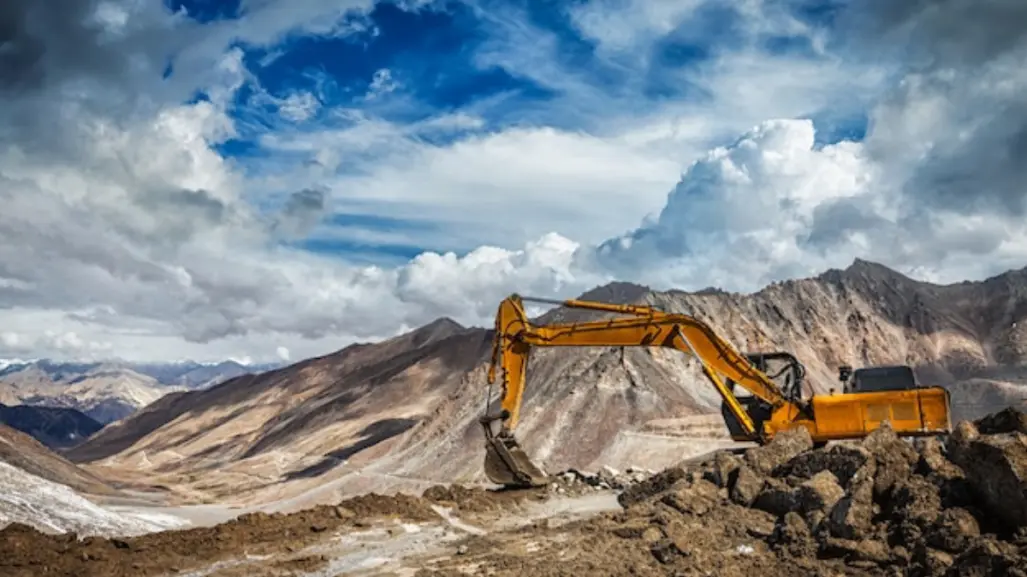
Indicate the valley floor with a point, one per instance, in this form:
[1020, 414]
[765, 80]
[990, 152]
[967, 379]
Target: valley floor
[367, 535]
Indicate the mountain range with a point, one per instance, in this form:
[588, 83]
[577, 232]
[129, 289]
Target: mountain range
[403, 412]
[188, 374]
[54, 427]
[61, 403]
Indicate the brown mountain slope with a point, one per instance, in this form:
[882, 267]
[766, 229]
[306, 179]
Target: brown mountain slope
[22, 451]
[418, 394]
[372, 415]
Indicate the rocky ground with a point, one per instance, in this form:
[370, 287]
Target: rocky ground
[882, 506]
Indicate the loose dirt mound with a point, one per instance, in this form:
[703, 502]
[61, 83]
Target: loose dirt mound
[567, 483]
[478, 500]
[27, 552]
[883, 506]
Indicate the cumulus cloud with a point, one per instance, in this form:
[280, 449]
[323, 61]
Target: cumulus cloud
[751, 211]
[299, 106]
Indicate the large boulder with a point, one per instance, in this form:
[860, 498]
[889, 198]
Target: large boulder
[785, 446]
[895, 458]
[876, 552]
[852, 516]
[777, 497]
[819, 494]
[845, 462]
[696, 499]
[953, 530]
[933, 463]
[746, 486]
[963, 433]
[989, 557]
[915, 505]
[793, 536]
[722, 469]
[638, 492]
[996, 469]
[1009, 420]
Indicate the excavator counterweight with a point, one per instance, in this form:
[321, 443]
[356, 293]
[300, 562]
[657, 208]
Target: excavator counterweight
[874, 396]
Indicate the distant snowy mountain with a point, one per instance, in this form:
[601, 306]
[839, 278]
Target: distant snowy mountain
[108, 391]
[194, 375]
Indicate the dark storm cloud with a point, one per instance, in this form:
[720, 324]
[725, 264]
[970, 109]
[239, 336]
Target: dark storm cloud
[943, 33]
[970, 56]
[60, 63]
[46, 42]
[301, 212]
[305, 202]
[834, 222]
[198, 206]
[40, 38]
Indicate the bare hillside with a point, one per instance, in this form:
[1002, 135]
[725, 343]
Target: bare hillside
[21, 450]
[55, 427]
[404, 411]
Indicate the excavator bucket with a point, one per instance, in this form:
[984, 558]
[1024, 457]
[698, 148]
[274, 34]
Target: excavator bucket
[507, 464]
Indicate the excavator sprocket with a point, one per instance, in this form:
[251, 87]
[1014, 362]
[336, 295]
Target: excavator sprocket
[507, 464]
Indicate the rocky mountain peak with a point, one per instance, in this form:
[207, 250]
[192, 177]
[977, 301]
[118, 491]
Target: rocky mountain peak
[619, 292]
[437, 330]
[867, 273]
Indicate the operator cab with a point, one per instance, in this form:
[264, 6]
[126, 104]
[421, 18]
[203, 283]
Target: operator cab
[781, 367]
[871, 379]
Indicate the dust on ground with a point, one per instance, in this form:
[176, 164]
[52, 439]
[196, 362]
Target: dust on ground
[946, 506]
[27, 552]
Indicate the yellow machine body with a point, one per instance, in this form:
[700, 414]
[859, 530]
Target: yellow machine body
[917, 411]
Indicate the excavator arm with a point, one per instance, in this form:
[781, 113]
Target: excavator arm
[917, 411]
[515, 335]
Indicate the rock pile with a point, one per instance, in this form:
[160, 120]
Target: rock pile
[605, 479]
[933, 506]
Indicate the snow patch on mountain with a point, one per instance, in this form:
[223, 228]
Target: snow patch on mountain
[53, 508]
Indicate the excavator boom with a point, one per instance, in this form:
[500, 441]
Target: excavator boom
[846, 416]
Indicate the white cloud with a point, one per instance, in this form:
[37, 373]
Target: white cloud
[299, 106]
[745, 211]
[381, 83]
[625, 25]
[134, 237]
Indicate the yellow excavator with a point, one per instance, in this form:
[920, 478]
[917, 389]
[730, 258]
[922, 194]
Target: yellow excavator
[869, 395]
